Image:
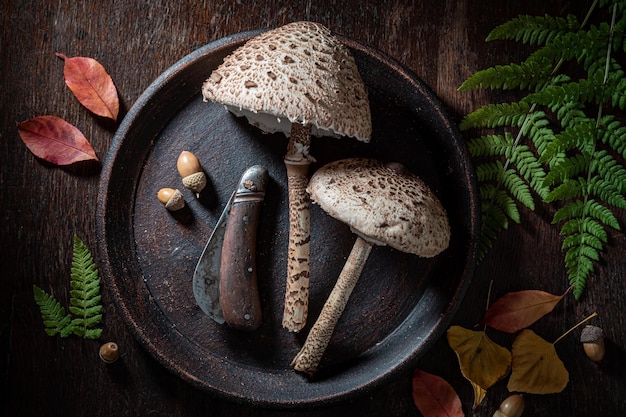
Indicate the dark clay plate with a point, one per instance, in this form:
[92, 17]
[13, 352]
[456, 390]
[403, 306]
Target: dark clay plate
[402, 303]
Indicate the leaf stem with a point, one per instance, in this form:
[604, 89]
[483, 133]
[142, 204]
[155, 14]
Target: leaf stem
[604, 81]
[488, 302]
[577, 325]
[589, 12]
[489, 295]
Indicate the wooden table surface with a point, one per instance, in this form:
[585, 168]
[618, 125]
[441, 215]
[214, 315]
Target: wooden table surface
[43, 206]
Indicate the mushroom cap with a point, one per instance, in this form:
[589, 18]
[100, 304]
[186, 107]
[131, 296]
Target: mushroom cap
[385, 206]
[297, 73]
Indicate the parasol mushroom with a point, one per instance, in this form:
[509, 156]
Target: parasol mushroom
[383, 205]
[301, 81]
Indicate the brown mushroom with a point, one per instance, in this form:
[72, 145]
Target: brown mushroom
[383, 205]
[301, 81]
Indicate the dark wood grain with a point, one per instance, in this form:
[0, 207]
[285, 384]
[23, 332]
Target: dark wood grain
[43, 206]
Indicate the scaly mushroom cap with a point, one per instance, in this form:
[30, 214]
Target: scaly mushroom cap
[295, 73]
[383, 205]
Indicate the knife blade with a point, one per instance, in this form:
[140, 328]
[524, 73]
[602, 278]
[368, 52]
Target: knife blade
[225, 279]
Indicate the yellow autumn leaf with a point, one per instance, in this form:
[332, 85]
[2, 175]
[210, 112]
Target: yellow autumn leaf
[479, 394]
[483, 362]
[536, 368]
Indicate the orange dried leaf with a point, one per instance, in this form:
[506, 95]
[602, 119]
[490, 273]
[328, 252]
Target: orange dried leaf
[517, 310]
[536, 368]
[482, 361]
[434, 396]
[55, 140]
[92, 85]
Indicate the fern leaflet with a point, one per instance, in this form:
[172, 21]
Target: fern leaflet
[528, 75]
[496, 115]
[580, 136]
[567, 168]
[85, 293]
[580, 209]
[55, 320]
[533, 29]
[85, 309]
[613, 134]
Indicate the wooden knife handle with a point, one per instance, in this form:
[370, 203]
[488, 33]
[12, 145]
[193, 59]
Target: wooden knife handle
[239, 294]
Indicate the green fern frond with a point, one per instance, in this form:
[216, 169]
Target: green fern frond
[573, 241]
[529, 168]
[489, 171]
[571, 114]
[539, 131]
[494, 171]
[579, 267]
[549, 144]
[496, 115]
[618, 98]
[55, 320]
[533, 29]
[583, 239]
[582, 91]
[497, 207]
[528, 75]
[579, 188]
[581, 137]
[612, 133]
[592, 208]
[570, 167]
[85, 292]
[583, 226]
[569, 189]
[505, 203]
[610, 170]
[605, 191]
[521, 157]
[84, 315]
[581, 46]
[518, 188]
[613, 82]
[490, 145]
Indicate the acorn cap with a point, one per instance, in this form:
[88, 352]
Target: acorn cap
[383, 205]
[591, 334]
[294, 73]
[176, 201]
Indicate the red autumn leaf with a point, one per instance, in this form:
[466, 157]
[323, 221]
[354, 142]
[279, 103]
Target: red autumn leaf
[517, 310]
[91, 85]
[55, 140]
[434, 396]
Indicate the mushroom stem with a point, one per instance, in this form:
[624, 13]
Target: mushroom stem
[309, 357]
[299, 144]
[297, 162]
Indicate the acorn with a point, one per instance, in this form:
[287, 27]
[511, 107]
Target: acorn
[592, 338]
[191, 172]
[512, 406]
[109, 352]
[173, 199]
